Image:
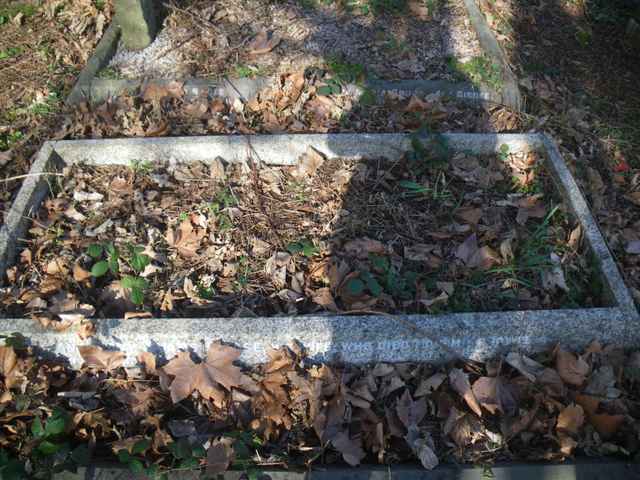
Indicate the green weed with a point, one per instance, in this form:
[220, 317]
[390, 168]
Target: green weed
[107, 258]
[479, 70]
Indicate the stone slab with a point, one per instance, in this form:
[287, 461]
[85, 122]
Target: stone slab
[357, 339]
[581, 469]
[97, 90]
[138, 21]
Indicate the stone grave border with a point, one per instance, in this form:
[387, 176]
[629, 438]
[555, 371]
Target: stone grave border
[354, 339]
[94, 89]
[580, 469]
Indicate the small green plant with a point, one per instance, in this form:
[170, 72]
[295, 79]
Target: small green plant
[142, 167]
[7, 140]
[11, 468]
[583, 37]
[503, 153]
[10, 52]
[107, 259]
[9, 12]
[108, 73]
[344, 72]
[430, 155]
[136, 461]
[388, 6]
[243, 277]
[304, 246]
[222, 201]
[479, 70]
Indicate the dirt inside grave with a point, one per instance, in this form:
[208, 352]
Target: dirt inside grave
[240, 38]
[429, 233]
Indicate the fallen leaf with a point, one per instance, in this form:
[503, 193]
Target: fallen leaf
[467, 249]
[206, 377]
[187, 238]
[154, 91]
[460, 383]
[362, 247]
[308, 163]
[430, 385]
[219, 456]
[633, 247]
[263, 43]
[484, 258]
[525, 365]
[410, 412]
[9, 367]
[571, 419]
[495, 394]
[350, 449]
[573, 370]
[606, 425]
[96, 357]
[419, 9]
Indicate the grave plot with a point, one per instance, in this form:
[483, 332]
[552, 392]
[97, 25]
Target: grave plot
[234, 49]
[334, 240]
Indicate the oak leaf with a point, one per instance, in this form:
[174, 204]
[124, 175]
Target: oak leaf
[186, 238]
[210, 378]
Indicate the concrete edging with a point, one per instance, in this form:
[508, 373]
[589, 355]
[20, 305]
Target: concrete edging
[355, 339]
[581, 469]
[96, 90]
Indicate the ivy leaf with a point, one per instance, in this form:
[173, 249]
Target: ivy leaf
[124, 456]
[48, 448]
[140, 447]
[81, 455]
[56, 424]
[138, 283]
[95, 250]
[100, 268]
[37, 430]
[136, 466]
[355, 287]
[325, 91]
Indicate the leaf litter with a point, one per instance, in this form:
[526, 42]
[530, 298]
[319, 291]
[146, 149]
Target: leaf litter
[292, 412]
[425, 234]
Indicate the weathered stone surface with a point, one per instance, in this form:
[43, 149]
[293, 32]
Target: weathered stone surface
[138, 22]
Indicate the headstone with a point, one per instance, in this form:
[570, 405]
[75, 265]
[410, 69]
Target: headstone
[138, 22]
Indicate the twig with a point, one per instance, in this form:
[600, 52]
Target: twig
[26, 175]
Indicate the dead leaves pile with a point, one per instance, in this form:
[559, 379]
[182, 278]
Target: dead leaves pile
[550, 407]
[326, 234]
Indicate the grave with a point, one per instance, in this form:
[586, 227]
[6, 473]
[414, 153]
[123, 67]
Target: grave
[359, 338]
[304, 32]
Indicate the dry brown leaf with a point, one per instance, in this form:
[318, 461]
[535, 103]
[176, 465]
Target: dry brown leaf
[154, 91]
[206, 377]
[80, 274]
[606, 425]
[419, 9]
[525, 365]
[567, 444]
[471, 215]
[308, 163]
[410, 412]
[324, 298]
[467, 249]
[263, 43]
[460, 383]
[9, 367]
[350, 448]
[494, 394]
[219, 456]
[96, 357]
[148, 361]
[573, 370]
[362, 247]
[186, 238]
[430, 385]
[484, 258]
[571, 419]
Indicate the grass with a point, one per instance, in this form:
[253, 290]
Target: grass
[246, 71]
[479, 70]
[9, 12]
[8, 139]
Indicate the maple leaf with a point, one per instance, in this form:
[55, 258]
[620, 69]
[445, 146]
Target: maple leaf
[206, 377]
[494, 394]
[96, 357]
